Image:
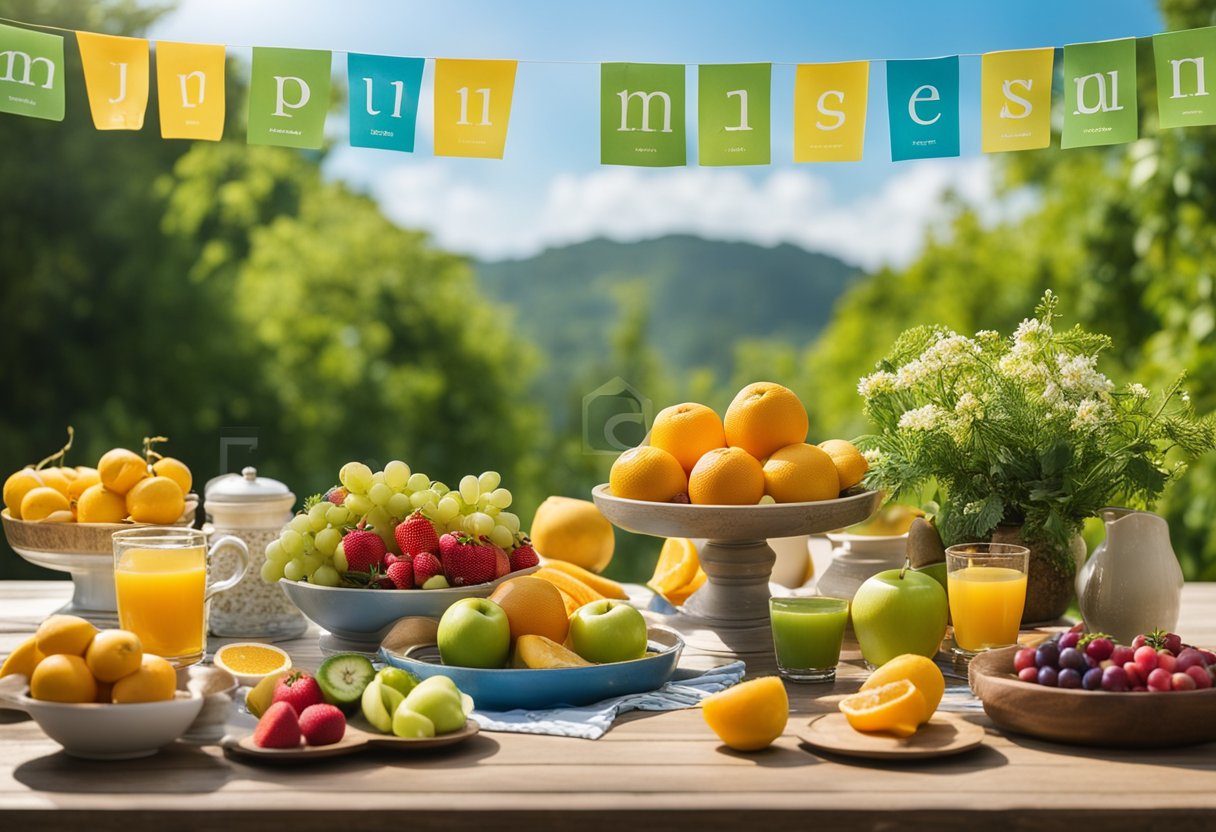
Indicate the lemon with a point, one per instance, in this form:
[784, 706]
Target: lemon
[56, 479]
[750, 715]
[895, 708]
[85, 477]
[46, 503]
[120, 469]
[573, 530]
[850, 464]
[677, 566]
[156, 500]
[801, 473]
[17, 486]
[99, 504]
[920, 671]
[175, 470]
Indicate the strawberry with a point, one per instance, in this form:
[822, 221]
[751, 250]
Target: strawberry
[392, 557]
[299, 690]
[322, 724]
[416, 535]
[448, 543]
[426, 566]
[471, 561]
[401, 573]
[523, 556]
[363, 550]
[502, 563]
[278, 728]
[336, 495]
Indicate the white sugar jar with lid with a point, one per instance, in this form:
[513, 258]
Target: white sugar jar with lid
[254, 509]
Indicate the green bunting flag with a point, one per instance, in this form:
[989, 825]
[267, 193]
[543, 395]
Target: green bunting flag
[642, 115]
[288, 97]
[1099, 93]
[32, 80]
[733, 103]
[1186, 82]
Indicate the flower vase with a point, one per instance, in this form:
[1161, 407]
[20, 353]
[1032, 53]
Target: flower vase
[1051, 574]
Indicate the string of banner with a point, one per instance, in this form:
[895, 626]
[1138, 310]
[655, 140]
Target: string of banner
[642, 119]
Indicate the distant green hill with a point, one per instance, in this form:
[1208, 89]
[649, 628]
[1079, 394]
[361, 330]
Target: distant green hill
[704, 297]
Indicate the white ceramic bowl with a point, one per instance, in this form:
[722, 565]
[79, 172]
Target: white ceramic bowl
[111, 732]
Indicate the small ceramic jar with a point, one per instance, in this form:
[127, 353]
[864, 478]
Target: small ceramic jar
[254, 509]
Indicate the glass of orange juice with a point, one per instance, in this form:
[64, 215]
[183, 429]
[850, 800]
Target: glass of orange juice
[160, 578]
[987, 588]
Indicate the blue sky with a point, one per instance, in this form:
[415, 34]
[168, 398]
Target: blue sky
[550, 188]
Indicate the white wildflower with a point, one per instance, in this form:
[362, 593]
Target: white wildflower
[1031, 331]
[1138, 390]
[948, 352]
[922, 418]
[1021, 366]
[969, 408]
[1079, 376]
[875, 383]
[873, 456]
[1090, 414]
[1186, 397]
[910, 375]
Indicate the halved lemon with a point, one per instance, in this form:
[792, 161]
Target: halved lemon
[895, 708]
[251, 661]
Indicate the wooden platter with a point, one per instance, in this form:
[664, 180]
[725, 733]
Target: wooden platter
[942, 736]
[356, 739]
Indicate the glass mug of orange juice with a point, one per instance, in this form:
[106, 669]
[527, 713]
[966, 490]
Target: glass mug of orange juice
[987, 589]
[160, 578]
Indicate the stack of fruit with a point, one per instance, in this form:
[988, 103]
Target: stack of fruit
[69, 660]
[399, 529]
[758, 453]
[151, 488]
[1157, 662]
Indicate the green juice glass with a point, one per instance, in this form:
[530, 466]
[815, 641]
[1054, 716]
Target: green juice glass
[807, 634]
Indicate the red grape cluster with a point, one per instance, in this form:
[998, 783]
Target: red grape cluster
[1094, 661]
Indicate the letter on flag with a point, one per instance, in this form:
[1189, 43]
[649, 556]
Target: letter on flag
[383, 100]
[190, 89]
[288, 97]
[642, 115]
[922, 105]
[116, 77]
[1186, 77]
[830, 111]
[733, 104]
[1099, 93]
[472, 107]
[31, 73]
[1015, 99]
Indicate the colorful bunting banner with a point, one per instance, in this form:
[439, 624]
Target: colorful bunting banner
[472, 107]
[830, 111]
[1099, 93]
[1015, 100]
[32, 83]
[922, 105]
[1186, 82]
[733, 104]
[383, 95]
[190, 89]
[116, 78]
[288, 97]
[642, 115]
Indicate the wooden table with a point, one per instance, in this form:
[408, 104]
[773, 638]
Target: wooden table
[661, 771]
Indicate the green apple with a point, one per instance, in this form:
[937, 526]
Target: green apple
[899, 611]
[439, 700]
[436, 582]
[936, 571]
[608, 631]
[379, 703]
[398, 679]
[407, 723]
[474, 632]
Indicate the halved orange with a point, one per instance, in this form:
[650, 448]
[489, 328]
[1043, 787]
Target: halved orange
[895, 708]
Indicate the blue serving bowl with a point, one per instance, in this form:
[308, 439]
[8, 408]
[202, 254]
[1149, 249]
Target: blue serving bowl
[511, 688]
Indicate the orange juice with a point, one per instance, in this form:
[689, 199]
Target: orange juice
[160, 599]
[986, 605]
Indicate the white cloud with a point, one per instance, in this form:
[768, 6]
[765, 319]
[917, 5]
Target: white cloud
[788, 205]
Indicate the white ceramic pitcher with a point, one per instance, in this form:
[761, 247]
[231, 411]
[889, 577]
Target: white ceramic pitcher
[1132, 583]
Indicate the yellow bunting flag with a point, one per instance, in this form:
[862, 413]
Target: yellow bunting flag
[190, 89]
[116, 76]
[472, 107]
[830, 111]
[1015, 99]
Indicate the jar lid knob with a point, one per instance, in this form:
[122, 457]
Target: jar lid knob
[249, 473]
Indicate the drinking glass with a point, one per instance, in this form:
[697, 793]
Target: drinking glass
[807, 634]
[160, 579]
[987, 589]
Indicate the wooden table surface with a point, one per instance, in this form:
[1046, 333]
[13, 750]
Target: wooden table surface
[659, 770]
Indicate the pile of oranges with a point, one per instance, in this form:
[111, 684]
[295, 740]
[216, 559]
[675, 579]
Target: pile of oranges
[759, 450]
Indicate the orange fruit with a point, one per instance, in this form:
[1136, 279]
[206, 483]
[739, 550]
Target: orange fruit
[895, 708]
[157, 500]
[175, 470]
[154, 681]
[764, 417]
[120, 469]
[17, 486]
[573, 531]
[749, 716]
[533, 607]
[68, 634]
[801, 473]
[647, 473]
[677, 566]
[62, 678]
[113, 654]
[46, 503]
[56, 479]
[850, 464]
[726, 477]
[923, 673]
[99, 504]
[678, 596]
[85, 478]
[687, 431]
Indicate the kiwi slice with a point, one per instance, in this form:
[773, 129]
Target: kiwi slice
[342, 678]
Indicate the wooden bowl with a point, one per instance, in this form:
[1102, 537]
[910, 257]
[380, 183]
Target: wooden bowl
[75, 538]
[1097, 718]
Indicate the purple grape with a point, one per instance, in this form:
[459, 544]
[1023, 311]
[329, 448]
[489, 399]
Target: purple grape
[1100, 649]
[1114, 679]
[1069, 640]
[1092, 680]
[1029, 674]
[1024, 659]
[1069, 678]
[1189, 657]
[1090, 661]
[1048, 677]
[1173, 643]
[1048, 655]
[1122, 654]
[1071, 657]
